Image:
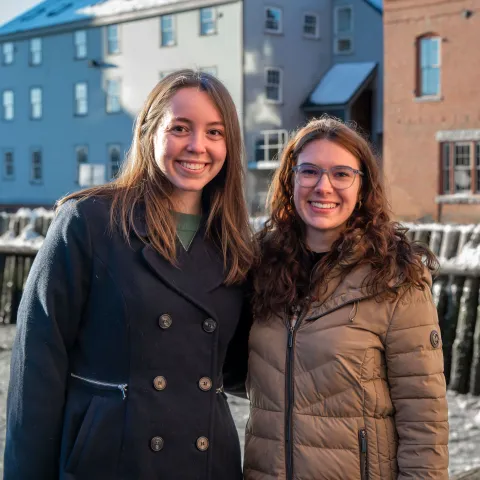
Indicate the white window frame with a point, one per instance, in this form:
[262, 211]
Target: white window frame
[461, 168]
[114, 27]
[315, 35]
[5, 174]
[34, 180]
[438, 66]
[172, 30]
[348, 35]
[36, 55]
[78, 150]
[110, 148]
[8, 109]
[279, 100]
[212, 20]
[80, 41]
[109, 97]
[81, 99]
[8, 53]
[36, 113]
[278, 30]
[268, 160]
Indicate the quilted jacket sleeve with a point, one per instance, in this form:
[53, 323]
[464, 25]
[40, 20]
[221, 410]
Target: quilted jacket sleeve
[415, 373]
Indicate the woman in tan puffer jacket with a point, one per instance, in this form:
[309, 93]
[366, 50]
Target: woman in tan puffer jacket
[345, 360]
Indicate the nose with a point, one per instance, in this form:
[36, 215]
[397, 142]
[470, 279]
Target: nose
[324, 184]
[196, 143]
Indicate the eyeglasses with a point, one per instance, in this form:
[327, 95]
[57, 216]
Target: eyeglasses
[340, 177]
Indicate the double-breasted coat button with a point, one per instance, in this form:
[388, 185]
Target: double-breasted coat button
[205, 384]
[159, 383]
[202, 443]
[156, 444]
[165, 321]
[209, 325]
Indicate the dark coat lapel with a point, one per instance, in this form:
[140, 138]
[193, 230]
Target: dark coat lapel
[199, 271]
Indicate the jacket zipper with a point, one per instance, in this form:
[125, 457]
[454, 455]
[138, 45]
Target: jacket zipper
[362, 439]
[289, 394]
[123, 387]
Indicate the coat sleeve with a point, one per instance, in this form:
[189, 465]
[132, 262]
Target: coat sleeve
[418, 391]
[236, 360]
[48, 318]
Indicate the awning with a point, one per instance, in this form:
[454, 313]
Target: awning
[341, 84]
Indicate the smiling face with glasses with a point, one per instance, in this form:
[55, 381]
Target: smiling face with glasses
[327, 181]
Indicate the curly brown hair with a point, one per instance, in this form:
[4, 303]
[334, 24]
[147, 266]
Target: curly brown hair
[370, 236]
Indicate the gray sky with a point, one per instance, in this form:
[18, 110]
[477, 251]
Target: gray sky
[12, 8]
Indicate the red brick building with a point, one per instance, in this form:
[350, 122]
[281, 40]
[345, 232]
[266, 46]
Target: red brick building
[432, 109]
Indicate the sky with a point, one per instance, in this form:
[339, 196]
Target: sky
[11, 8]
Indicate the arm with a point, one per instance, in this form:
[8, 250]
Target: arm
[415, 374]
[236, 361]
[48, 319]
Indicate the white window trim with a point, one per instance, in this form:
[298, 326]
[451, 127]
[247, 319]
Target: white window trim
[36, 181]
[214, 19]
[4, 117]
[280, 85]
[4, 56]
[267, 162]
[39, 117]
[461, 168]
[173, 30]
[343, 35]
[316, 35]
[40, 51]
[270, 30]
[107, 110]
[76, 44]
[439, 66]
[76, 99]
[107, 43]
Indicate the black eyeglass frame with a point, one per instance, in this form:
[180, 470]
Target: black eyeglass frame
[296, 169]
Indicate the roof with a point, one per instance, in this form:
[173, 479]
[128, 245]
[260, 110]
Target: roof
[51, 13]
[376, 4]
[339, 85]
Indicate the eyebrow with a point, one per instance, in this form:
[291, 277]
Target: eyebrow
[187, 120]
[316, 166]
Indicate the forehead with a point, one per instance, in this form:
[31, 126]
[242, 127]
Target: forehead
[325, 153]
[194, 104]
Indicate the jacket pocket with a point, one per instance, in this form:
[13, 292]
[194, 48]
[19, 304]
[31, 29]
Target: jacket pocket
[363, 447]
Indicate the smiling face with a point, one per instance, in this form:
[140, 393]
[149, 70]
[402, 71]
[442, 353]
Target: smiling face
[190, 146]
[324, 209]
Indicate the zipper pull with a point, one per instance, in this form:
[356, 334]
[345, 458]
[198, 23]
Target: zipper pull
[363, 440]
[290, 337]
[123, 388]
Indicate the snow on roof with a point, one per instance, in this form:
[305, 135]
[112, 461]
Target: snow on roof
[340, 83]
[57, 12]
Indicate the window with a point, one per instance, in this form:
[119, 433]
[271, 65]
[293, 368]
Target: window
[113, 42]
[460, 164]
[80, 41]
[167, 31]
[114, 159]
[428, 77]
[273, 20]
[8, 166]
[35, 51]
[8, 53]
[208, 21]
[36, 172]
[273, 86]
[343, 30]
[81, 98]
[36, 103]
[311, 25]
[210, 70]
[81, 156]
[8, 101]
[113, 96]
[270, 145]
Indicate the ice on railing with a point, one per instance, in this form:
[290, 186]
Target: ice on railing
[24, 227]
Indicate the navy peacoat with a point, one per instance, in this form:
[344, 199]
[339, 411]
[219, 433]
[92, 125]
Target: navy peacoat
[117, 365]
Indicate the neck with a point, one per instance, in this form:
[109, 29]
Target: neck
[321, 241]
[187, 202]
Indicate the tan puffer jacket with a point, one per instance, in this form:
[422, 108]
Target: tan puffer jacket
[354, 391]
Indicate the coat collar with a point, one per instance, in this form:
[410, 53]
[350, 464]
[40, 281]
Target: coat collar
[198, 271]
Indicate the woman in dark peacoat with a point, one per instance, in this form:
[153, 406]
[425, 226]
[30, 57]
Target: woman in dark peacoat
[117, 366]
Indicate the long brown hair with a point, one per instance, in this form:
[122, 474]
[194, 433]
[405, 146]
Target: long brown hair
[141, 183]
[370, 236]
